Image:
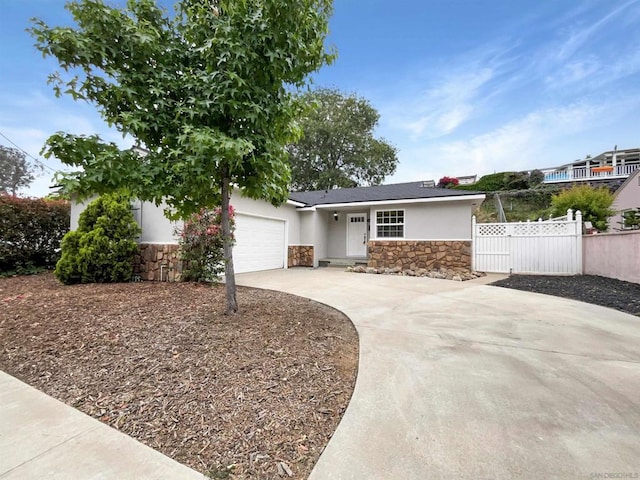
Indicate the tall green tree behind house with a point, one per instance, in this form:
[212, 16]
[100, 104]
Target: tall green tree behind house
[206, 91]
[594, 203]
[338, 148]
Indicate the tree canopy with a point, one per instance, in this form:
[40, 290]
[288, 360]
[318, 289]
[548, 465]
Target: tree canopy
[207, 92]
[338, 147]
[15, 171]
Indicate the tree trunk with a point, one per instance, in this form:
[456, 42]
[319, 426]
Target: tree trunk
[229, 275]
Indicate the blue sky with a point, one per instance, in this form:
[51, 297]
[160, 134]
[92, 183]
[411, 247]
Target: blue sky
[462, 86]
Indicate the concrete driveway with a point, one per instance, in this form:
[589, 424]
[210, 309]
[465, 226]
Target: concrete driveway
[463, 380]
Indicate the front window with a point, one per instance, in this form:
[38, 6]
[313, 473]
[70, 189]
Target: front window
[390, 224]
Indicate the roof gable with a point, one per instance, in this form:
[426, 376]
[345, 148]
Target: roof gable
[627, 182]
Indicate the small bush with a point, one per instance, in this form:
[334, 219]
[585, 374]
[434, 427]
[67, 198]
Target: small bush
[201, 245]
[447, 182]
[31, 230]
[103, 247]
[594, 203]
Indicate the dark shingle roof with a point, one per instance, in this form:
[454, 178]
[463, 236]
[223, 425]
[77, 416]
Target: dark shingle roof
[379, 193]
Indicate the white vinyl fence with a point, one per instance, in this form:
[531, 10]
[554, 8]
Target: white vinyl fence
[552, 247]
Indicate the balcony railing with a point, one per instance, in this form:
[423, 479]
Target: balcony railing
[592, 173]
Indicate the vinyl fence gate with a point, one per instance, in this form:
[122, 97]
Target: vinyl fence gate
[551, 247]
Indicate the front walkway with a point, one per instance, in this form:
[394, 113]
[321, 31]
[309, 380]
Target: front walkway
[462, 380]
[42, 438]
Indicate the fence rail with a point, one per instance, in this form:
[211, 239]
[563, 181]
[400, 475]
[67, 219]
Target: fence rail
[591, 173]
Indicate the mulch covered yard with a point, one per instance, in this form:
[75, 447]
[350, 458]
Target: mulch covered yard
[256, 395]
[607, 292]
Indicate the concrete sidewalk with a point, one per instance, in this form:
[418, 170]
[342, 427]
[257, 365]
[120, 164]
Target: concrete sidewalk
[467, 381]
[42, 438]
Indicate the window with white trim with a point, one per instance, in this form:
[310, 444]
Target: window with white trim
[390, 224]
[630, 219]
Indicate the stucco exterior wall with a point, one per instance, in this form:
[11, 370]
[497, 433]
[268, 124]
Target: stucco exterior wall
[627, 197]
[307, 227]
[265, 209]
[432, 220]
[321, 220]
[613, 255]
[337, 236]
[156, 227]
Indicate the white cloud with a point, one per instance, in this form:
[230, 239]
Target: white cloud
[442, 107]
[524, 143]
[574, 72]
[582, 35]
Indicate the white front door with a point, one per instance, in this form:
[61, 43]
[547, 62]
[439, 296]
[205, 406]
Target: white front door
[356, 235]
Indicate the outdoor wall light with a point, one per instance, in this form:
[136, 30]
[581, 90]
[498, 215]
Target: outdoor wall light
[335, 216]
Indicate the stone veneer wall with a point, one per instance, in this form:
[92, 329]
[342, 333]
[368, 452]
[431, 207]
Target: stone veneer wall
[152, 256]
[300, 256]
[413, 255]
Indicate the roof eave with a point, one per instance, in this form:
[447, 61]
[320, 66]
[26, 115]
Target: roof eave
[453, 198]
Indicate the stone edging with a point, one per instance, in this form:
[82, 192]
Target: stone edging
[459, 275]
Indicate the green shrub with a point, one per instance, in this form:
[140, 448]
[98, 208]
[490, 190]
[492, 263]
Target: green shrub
[31, 230]
[536, 177]
[201, 245]
[487, 183]
[103, 247]
[495, 182]
[516, 180]
[594, 203]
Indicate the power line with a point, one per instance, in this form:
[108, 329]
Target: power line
[27, 153]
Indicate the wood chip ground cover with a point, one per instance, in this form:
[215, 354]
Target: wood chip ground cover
[257, 395]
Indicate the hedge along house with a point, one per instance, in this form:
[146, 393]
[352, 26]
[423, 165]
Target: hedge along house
[406, 225]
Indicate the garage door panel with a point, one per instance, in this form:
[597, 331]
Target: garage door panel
[260, 244]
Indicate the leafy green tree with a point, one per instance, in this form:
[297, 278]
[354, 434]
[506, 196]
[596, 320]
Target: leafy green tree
[15, 171]
[102, 248]
[594, 203]
[338, 148]
[208, 92]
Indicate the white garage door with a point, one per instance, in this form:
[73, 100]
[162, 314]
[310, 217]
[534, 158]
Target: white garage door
[260, 244]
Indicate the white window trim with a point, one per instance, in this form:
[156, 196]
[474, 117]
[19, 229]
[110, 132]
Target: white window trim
[375, 224]
[622, 225]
